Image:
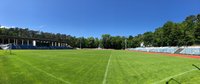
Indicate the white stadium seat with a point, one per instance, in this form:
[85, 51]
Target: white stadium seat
[183, 50]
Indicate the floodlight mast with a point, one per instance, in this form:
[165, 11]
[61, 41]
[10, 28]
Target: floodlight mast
[125, 44]
[99, 46]
[80, 43]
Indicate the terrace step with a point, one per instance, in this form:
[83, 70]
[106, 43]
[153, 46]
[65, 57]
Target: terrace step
[178, 51]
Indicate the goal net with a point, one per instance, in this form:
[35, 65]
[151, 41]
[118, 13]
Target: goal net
[6, 47]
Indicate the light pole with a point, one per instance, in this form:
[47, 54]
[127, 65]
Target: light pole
[80, 43]
[125, 44]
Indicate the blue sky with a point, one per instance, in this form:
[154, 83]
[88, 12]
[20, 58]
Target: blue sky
[95, 17]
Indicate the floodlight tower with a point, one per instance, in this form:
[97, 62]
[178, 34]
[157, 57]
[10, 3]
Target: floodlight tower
[99, 46]
[125, 44]
[80, 43]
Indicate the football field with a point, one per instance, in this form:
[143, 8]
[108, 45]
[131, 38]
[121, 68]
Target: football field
[95, 67]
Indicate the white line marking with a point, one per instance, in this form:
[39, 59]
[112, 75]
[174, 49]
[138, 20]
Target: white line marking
[38, 69]
[106, 73]
[174, 76]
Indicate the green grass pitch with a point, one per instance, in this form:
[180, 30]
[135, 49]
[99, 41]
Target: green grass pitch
[94, 67]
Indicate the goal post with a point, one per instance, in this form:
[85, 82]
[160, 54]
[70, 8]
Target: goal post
[6, 47]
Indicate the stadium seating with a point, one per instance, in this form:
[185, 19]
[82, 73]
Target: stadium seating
[157, 49]
[191, 50]
[38, 47]
[177, 50]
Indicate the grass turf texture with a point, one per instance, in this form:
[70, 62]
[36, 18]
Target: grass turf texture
[94, 67]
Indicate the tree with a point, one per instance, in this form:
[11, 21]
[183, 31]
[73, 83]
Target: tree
[167, 31]
[106, 41]
[97, 43]
[188, 30]
[148, 38]
[91, 42]
[197, 30]
[158, 37]
[175, 35]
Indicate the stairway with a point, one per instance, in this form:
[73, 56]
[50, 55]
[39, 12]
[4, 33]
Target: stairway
[178, 51]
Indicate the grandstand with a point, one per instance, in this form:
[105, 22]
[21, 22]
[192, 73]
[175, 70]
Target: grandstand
[174, 50]
[191, 50]
[157, 49]
[33, 43]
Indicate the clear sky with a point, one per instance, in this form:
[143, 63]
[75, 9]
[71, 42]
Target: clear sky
[95, 17]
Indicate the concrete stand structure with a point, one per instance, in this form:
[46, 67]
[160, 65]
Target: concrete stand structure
[33, 42]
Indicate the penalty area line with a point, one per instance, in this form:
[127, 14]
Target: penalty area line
[174, 76]
[40, 70]
[106, 73]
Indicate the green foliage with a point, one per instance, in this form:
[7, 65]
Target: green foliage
[186, 33]
[113, 42]
[148, 38]
[106, 41]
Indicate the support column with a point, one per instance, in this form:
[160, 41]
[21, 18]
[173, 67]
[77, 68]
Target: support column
[34, 43]
[8, 41]
[27, 42]
[16, 42]
[59, 44]
[51, 43]
[2, 41]
[55, 43]
[22, 42]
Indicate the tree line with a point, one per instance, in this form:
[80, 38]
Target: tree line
[185, 33]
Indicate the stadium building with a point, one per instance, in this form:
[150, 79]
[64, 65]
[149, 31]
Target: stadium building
[33, 43]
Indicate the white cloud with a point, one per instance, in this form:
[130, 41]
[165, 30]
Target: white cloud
[5, 26]
[42, 26]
